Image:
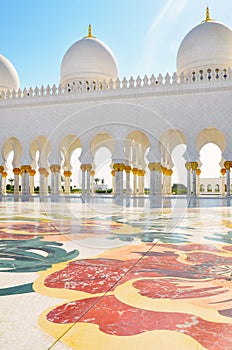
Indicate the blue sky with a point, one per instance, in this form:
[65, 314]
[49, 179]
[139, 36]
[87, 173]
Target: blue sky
[144, 35]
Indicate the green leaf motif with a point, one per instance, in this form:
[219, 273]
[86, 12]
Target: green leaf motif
[32, 255]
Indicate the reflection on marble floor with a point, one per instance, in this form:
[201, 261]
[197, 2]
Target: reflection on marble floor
[100, 276]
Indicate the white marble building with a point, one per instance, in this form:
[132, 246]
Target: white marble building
[140, 120]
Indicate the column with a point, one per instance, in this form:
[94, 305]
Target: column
[16, 172]
[83, 169]
[223, 172]
[88, 170]
[46, 183]
[135, 172]
[155, 179]
[4, 175]
[198, 173]
[141, 174]
[92, 173]
[42, 187]
[25, 173]
[194, 166]
[169, 173]
[118, 168]
[128, 170]
[164, 172]
[32, 181]
[1, 171]
[188, 166]
[55, 179]
[113, 181]
[227, 165]
[67, 175]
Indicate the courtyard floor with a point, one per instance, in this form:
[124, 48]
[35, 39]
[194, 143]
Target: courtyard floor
[104, 276]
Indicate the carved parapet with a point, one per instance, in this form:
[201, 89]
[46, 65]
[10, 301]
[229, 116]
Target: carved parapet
[119, 167]
[25, 169]
[67, 173]
[55, 168]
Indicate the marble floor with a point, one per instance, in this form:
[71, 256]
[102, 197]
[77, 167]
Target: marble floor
[103, 276]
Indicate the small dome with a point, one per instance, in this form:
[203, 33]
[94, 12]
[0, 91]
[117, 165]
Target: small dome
[88, 59]
[208, 45]
[8, 76]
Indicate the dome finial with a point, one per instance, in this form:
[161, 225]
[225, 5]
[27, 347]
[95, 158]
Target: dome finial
[207, 17]
[90, 35]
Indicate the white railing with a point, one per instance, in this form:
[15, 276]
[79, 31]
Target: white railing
[80, 87]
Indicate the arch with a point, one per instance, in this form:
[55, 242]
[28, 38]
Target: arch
[202, 188]
[135, 145]
[12, 144]
[101, 139]
[211, 135]
[40, 144]
[169, 140]
[209, 188]
[67, 146]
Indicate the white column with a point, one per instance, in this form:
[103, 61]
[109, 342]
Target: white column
[118, 168]
[1, 171]
[25, 172]
[83, 169]
[228, 182]
[88, 170]
[113, 181]
[128, 170]
[67, 175]
[188, 167]
[16, 172]
[92, 173]
[135, 172]
[4, 175]
[31, 180]
[155, 179]
[55, 179]
[42, 172]
[223, 172]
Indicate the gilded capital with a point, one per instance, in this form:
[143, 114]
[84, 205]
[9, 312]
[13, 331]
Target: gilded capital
[227, 165]
[198, 172]
[92, 173]
[127, 169]
[118, 166]
[194, 165]
[67, 173]
[188, 165]
[4, 174]
[42, 171]
[113, 172]
[88, 167]
[223, 171]
[25, 168]
[134, 171]
[55, 168]
[16, 171]
[32, 172]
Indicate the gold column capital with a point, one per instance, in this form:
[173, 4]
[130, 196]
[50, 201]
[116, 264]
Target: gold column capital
[1, 169]
[32, 172]
[127, 169]
[119, 166]
[188, 165]
[223, 171]
[198, 172]
[113, 172]
[55, 168]
[16, 171]
[67, 173]
[88, 167]
[42, 171]
[4, 174]
[25, 168]
[155, 166]
[227, 165]
[92, 173]
[194, 165]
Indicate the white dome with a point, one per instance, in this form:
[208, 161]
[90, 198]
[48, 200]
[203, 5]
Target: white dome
[88, 59]
[8, 76]
[208, 45]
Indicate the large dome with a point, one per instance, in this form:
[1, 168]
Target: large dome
[208, 45]
[8, 76]
[88, 59]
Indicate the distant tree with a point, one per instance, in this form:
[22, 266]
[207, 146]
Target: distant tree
[96, 180]
[11, 180]
[102, 181]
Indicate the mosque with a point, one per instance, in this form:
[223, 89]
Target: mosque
[139, 120]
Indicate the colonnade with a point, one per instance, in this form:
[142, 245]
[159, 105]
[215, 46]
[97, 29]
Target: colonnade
[123, 175]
